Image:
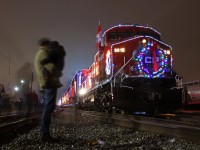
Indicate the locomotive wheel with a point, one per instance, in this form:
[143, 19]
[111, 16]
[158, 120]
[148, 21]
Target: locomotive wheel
[114, 110]
[104, 102]
[122, 112]
[107, 104]
[98, 103]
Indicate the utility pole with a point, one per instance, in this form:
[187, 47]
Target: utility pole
[31, 81]
[9, 69]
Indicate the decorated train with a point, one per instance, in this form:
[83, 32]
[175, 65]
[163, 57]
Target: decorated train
[132, 72]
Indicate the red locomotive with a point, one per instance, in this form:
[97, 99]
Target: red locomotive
[132, 72]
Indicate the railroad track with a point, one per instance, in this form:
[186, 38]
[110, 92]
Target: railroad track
[9, 130]
[192, 119]
[15, 123]
[11, 117]
[9, 126]
[167, 127]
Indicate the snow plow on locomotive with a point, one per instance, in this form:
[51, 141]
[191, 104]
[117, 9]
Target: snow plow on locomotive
[132, 71]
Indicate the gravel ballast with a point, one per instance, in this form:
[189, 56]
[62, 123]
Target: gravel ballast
[85, 133]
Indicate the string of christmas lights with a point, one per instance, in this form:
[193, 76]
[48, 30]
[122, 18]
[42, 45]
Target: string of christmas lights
[145, 61]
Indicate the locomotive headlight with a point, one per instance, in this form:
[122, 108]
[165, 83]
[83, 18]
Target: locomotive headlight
[144, 41]
[82, 91]
[168, 52]
[92, 99]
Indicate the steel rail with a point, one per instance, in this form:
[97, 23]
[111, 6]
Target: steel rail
[11, 117]
[5, 128]
[165, 127]
[8, 128]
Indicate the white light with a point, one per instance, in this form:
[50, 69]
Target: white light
[168, 52]
[22, 81]
[59, 102]
[16, 88]
[82, 91]
[144, 41]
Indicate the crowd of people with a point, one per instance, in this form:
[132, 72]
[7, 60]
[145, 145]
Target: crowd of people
[27, 102]
[4, 100]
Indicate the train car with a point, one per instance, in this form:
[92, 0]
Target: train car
[132, 71]
[192, 96]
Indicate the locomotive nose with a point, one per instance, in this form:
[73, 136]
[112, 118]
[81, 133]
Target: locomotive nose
[154, 96]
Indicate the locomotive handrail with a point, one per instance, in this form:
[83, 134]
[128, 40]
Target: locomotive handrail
[126, 86]
[124, 74]
[100, 84]
[179, 82]
[192, 82]
[122, 67]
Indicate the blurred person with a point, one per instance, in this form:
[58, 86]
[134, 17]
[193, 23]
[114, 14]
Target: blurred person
[2, 91]
[25, 90]
[33, 97]
[2, 95]
[5, 100]
[48, 84]
[20, 104]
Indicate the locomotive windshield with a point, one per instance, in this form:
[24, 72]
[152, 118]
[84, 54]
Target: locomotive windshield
[117, 36]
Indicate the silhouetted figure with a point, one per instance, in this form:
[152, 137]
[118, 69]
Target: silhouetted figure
[46, 71]
[25, 90]
[5, 102]
[2, 95]
[33, 97]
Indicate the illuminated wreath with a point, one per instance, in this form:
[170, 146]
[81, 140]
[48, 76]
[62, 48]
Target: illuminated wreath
[150, 61]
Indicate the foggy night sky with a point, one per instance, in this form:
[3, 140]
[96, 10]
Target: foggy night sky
[74, 24]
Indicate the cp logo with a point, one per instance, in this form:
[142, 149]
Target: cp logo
[149, 60]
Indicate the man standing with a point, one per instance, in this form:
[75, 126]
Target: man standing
[48, 87]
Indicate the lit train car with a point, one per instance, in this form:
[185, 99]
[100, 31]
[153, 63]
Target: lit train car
[192, 98]
[132, 71]
[70, 95]
[194, 93]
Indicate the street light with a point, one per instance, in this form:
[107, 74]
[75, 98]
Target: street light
[22, 81]
[16, 88]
